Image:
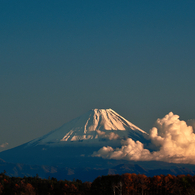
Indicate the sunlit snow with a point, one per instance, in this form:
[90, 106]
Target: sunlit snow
[96, 125]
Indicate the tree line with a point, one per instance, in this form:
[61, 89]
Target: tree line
[126, 184]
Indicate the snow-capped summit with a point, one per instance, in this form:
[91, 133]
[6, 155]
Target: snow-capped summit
[95, 126]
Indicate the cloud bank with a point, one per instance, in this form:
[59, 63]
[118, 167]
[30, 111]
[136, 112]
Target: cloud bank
[174, 139]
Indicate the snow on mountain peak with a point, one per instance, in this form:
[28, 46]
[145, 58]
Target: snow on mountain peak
[96, 125]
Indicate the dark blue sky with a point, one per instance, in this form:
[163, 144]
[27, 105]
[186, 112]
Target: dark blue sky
[59, 59]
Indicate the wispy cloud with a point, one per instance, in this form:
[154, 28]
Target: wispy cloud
[109, 136]
[4, 145]
[174, 139]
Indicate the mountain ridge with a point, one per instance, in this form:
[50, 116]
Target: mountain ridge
[89, 174]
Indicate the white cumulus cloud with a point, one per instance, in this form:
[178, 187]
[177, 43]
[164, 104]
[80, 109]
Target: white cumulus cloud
[174, 139]
[130, 150]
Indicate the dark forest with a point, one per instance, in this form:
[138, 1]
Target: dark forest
[129, 183]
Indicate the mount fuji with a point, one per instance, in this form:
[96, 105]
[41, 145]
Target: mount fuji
[92, 128]
[73, 143]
